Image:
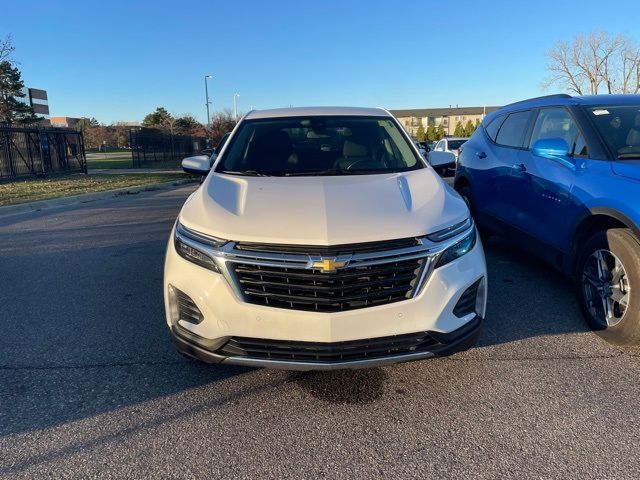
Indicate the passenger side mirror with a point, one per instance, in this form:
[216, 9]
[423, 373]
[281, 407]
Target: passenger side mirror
[196, 165]
[552, 148]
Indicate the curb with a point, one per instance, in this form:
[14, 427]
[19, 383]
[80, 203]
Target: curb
[39, 205]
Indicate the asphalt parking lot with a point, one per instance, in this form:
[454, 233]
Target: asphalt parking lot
[90, 385]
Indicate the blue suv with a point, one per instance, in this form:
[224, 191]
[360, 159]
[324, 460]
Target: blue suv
[560, 176]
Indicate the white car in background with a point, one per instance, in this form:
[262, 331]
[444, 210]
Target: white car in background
[444, 155]
[321, 240]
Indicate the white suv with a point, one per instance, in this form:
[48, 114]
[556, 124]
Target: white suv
[322, 240]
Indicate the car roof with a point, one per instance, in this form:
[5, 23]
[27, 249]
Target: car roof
[456, 138]
[564, 99]
[317, 111]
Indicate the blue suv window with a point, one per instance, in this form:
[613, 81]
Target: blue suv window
[557, 122]
[513, 130]
[493, 126]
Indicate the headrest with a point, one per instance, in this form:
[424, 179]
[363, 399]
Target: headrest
[353, 149]
[273, 143]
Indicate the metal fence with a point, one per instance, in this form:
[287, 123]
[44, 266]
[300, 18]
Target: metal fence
[29, 152]
[152, 147]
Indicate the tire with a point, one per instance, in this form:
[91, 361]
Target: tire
[608, 285]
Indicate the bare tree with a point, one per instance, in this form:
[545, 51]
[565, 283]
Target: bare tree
[6, 48]
[595, 63]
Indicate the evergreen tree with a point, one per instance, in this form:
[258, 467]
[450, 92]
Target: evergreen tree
[469, 129]
[421, 134]
[157, 118]
[84, 123]
[440, 133]
[431, 133]
[459, 130]
[12, 110]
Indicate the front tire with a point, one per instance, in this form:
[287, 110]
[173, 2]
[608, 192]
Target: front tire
[608, 284]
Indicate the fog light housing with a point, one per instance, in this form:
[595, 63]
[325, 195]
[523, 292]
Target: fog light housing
[481, 297]
[182, 307]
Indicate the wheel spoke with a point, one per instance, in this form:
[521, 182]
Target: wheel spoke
[607, 307]
[602, 265]
[620, 297]
[617, 273]
[591, 279]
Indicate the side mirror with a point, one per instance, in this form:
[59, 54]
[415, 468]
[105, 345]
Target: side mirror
[196, 165]
[552, 148]
[440, 159]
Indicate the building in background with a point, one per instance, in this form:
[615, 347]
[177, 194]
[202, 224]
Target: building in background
[410, 119]
[125, 123]
[39, 101]
[68, 122]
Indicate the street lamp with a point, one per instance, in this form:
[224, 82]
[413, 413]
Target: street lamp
[235, 105]
[207, 102]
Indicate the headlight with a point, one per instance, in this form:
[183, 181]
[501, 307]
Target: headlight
[452, 231]
[458, 249]
[193, 246]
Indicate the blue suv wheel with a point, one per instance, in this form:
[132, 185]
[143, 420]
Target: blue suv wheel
[608, 273]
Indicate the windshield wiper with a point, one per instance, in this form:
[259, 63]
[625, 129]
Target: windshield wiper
[316, 173]
[341, 171]
[247, 173]
[629, 156]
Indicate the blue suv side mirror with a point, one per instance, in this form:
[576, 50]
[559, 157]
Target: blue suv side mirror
[553, 148]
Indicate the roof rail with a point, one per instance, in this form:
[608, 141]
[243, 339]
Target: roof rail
[544, 97]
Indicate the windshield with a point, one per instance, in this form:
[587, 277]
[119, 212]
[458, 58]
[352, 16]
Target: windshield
[455, 144]
[327, 145]
[620, 128]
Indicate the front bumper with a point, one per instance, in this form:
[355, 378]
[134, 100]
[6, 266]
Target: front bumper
[225, 317]
[443, 345]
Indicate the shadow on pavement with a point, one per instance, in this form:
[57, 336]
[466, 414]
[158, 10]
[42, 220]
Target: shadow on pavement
[527, 298]
[344, 386]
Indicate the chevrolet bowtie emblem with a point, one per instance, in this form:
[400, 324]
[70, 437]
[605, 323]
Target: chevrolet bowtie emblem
[328, 265]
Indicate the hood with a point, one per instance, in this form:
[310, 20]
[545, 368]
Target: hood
[329, 210]
[627, 168]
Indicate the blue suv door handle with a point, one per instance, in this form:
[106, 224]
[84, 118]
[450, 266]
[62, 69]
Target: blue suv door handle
[519, 168]
[481, 155]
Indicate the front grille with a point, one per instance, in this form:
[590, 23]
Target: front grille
[328, 352]
[467, 302]
[347, 289]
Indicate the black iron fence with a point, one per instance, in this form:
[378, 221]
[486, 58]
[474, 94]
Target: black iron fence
[31, 151]
[150, 147]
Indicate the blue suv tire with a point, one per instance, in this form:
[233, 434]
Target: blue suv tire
[608, 271]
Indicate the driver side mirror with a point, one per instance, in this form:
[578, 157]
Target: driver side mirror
[196, 165]
[438, 158]
[552, 148]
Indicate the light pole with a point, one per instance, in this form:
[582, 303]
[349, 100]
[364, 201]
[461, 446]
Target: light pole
[207, 102]
[235, 105]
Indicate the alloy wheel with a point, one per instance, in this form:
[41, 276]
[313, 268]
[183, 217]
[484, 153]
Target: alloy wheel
[605, 286]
